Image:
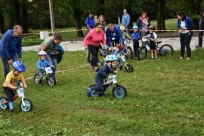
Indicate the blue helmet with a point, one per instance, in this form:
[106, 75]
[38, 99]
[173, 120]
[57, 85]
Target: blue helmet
[135, 27]
[110, 58]
[19, 66]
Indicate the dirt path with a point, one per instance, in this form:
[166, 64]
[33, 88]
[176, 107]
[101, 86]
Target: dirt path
[78, 45]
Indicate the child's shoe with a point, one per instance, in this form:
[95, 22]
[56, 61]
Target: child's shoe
[89, 92]
[11, 107]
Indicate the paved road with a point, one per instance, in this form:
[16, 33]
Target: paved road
[78, 45]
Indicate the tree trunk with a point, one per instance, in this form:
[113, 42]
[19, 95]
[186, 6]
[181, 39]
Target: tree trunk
[2, 27]
[16, 13]
[78, 23]
[196, 10]
[102, 2]
[161, 15]
[25, 20]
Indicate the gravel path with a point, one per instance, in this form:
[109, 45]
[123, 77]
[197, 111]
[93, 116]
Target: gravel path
[78, 45]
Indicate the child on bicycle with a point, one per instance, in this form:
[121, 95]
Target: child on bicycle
[42, 63]
[135, 37]
[12, 79]
[153, 37]
[124, 34]
[103, 73]
[118, 51]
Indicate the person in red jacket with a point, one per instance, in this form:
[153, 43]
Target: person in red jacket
[93, 42]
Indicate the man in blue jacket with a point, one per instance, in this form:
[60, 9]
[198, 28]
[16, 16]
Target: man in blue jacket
[89, 22]
[113, 35]
[10, 47]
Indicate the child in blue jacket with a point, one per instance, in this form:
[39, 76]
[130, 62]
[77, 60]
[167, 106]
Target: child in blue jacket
[135, 37]
[42, 63]
[103, 73]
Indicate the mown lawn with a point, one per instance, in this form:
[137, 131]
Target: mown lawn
[165, 98]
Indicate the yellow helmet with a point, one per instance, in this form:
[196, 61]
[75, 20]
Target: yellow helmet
[122, 27]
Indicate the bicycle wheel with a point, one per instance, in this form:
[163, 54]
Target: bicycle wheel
[166, 50]
[128, 53]
[93, 93]
[119, 92]
[3, 105]
[51, 81]
[129, 68]
[36, 79]
[142, 53]
[28, 105]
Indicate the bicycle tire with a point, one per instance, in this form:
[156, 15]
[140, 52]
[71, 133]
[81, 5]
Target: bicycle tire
[121, 93]
[36, 78]
[3, 106]
[129, 53]
[142, 53]
[51, 81]
[129, 68]
[28, 105]
[166, 50]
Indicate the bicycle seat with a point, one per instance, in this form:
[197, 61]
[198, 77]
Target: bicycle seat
[158, 42]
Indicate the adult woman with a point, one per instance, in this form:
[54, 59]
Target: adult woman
[93, 40]
[143, 24]
[185, 24]
[102, 21]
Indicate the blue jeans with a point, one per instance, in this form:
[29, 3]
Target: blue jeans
[6, 65]
[53, 60]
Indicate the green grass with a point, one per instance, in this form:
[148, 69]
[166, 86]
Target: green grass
[165, 98]
[171, 24]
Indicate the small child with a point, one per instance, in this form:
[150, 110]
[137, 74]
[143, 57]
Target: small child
[135, 37]
[118, 54]
[12, 80]
[96, 20]
[124, 34]
[42, 63]
[103, 73]
[153, 37]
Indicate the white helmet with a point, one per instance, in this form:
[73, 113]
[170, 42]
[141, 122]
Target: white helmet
[122, 27]
[42, 53]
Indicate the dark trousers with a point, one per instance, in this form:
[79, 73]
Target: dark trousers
[185, 40]
[200, 39]
[135, 47]
[99, 83]
[116, 41]
[9, 93]
[94, 52]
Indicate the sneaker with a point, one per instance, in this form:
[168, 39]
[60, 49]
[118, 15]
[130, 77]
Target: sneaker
[89, 92]
[99, 64]
[181, 58]
[11, 110]
[101, 94]
[92, 67]
[188, 58]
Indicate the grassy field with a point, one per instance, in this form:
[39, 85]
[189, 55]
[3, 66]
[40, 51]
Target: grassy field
[165, 98]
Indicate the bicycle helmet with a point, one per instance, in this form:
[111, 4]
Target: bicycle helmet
[151, 28]
[135, 27]
[19, 66]
[111, 58]
[122, 27]
[42, 53]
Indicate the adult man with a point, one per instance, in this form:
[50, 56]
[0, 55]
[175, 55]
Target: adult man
[48, 45]
[113, 35]
[10, 47]
[89, 22]
[126, 20]
[201, 27]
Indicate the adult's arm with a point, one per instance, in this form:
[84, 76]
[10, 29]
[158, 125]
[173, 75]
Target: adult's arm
[190, 24]
[128, 19]
[5, 47]
[19, 48]
[87, 37]
[43, 48]
[104, 39]
[120, 35]
[108, 37]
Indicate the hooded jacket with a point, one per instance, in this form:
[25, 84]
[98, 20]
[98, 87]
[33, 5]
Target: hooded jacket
[188, 24]
[10, 45]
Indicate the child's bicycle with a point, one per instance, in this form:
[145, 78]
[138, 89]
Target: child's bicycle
[118, 91]
[128, 49]
[121, 61]
[164, 50]
[46, 76]
[25, 104]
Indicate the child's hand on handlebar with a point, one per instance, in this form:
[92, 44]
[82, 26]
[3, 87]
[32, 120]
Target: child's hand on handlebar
[42, 68]
[13, 88]
[109, 77]
[52, 66]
